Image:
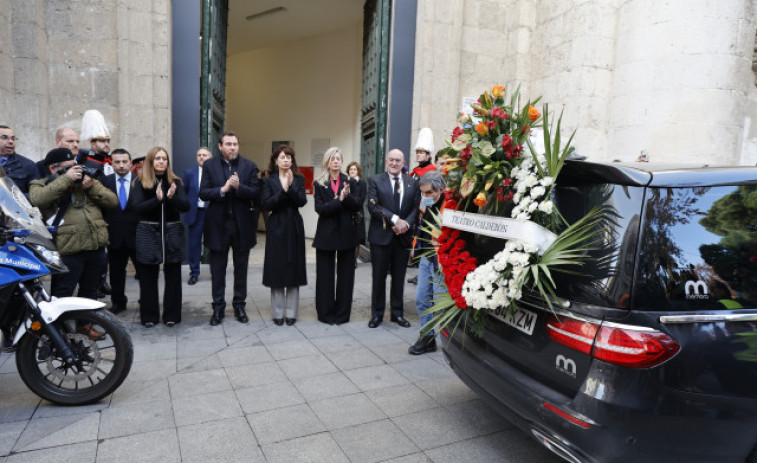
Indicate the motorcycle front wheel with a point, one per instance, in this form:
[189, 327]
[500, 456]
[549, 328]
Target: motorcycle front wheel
[103, 350]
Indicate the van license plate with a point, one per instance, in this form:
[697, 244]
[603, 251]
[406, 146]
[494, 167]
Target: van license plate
[522, 320]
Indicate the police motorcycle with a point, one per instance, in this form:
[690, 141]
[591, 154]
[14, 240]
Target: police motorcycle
[67, 351]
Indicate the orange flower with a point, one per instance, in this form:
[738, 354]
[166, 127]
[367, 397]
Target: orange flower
[480, 200]
[482, 129]
[533, 113]
[498, 91]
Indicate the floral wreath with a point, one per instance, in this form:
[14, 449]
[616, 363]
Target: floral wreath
[499, 168]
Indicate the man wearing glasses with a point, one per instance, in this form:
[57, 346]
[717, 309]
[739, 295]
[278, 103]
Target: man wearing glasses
[17, 167]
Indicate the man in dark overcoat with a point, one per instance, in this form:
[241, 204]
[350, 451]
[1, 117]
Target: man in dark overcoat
[393, 199]
[230, 185]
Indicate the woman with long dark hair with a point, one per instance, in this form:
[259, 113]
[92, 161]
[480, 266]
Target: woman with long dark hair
[335, 240]
[159, 198]
[284, 265]
[360, 190]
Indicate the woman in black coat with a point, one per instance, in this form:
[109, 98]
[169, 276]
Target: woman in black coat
[335, 240]
[360, 190]
[159, 197]
[284, 265]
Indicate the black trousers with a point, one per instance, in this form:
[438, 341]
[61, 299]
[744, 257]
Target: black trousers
[149, 309]
[83, 269]
[118, 259]
[396, 254]
[334, 307]
[218, 260]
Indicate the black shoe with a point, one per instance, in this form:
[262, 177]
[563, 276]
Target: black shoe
[290, 321]
[240, 314]
[413, 280]
[278, 321]
[116, 309]
[104, 286]
[401, 322]
[192, 280]
[423, 345]
[375, 321]
[170, 324]
[217, 316]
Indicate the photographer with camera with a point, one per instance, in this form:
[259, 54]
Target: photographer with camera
[72, 200]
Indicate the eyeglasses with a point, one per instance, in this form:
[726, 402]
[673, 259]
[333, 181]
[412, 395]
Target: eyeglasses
[6, 137]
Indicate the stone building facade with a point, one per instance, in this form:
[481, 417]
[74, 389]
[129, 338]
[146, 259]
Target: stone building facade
[59, 58]
[673, 77]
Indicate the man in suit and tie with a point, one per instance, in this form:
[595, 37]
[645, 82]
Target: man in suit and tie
[393, 199]
[195, 217]
[122, 227]
[230, 185]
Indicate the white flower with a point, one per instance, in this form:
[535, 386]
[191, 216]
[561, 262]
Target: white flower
[546, 207]
[537, 192]
[530, 181]
[547, 181]
[532, 206]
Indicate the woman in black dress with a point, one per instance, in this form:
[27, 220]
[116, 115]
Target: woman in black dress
[159, 197]
[360, 190]
[284, 265]
[335, 240]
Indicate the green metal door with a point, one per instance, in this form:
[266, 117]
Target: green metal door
[215, 17]
[373, 111]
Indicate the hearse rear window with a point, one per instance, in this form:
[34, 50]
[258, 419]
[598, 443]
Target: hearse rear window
[698, 249]
[606, 279]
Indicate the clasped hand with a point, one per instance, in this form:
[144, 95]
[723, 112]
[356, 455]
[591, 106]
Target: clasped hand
[159, 191]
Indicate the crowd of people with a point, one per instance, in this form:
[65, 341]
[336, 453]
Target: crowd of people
[106, 209]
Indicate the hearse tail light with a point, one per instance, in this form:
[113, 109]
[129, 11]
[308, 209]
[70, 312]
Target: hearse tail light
[633, 349]
[622, 345]
[576, 334]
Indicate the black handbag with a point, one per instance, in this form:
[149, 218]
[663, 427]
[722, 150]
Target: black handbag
[156, 245]
[149, 243]
[174, 243]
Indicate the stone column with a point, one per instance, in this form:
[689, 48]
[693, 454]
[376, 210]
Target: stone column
[29, 71]
[683, 68]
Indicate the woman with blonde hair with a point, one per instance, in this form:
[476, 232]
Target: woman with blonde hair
[335, 240]
[159, 199]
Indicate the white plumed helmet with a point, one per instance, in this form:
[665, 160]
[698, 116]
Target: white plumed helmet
[93, 126]
[425, 141]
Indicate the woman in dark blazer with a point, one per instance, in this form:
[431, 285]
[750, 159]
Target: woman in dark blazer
[284, 265]
[159, 197]
[360, 190]
[335, 240]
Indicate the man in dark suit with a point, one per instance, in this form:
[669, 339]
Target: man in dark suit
[396, 197]
[122, 227]
[20, 169]
[195, 217]
[230, 184]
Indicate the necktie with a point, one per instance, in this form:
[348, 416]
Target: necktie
[122, 193]
[397, 194]
[3, 160]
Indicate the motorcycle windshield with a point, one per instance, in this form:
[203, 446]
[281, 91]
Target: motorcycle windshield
[17, 212]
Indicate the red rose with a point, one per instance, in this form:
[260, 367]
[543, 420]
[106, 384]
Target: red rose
[491, 125]
[456, 132]
[497, 113]
[506, 142]
[465, 154]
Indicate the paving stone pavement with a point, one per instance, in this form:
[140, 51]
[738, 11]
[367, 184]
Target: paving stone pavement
[258, 392]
